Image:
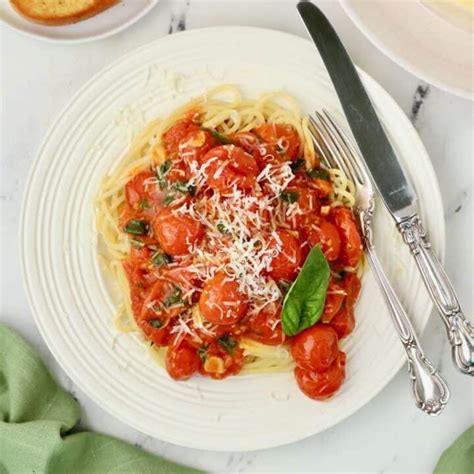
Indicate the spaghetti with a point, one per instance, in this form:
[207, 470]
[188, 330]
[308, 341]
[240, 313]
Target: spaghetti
[206, 222]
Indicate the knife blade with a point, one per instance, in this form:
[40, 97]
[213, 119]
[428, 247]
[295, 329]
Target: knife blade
[393, 184]
[391, 181]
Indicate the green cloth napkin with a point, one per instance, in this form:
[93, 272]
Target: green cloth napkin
[36, 419]
[459, 457]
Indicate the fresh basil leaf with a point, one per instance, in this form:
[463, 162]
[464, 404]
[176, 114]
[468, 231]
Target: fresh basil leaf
[161, 258]
[155, 323]
[136, 227]
[202, 351]
[289, 196]
[219, 136]
[297, 164]
[319, 173]
[304, 302]
[227, 343]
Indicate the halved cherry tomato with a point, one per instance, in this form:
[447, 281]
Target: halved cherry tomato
[142, 193]
[351, 250]
[334, 299]
[265, 327]
[159, 336]
[173, 136]
[218, 362]
[288, 256]
[321, 385]
[322, 232]
[221, 302]
[315, 349]
[162, 302]
[196, 144]
[352, 286]
[248, 141]
[176, 233]
[283, 137]
[323, 186]
[182, 360]
[344, 322]
[228, 166]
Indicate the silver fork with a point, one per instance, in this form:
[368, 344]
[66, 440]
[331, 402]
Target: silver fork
[429, 389]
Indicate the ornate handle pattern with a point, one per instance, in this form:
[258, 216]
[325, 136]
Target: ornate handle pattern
[430, 390]
[460, 330]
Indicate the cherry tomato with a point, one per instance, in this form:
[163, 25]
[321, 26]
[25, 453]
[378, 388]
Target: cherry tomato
[218, 362]
[283, 137]
[352, 286]
[221, 302]
[196, 144]
[351, 250]
[173, 136]
[344, 322]
[321, 385]
[176, 233]
[323, 186]
[247, 141]
[334, 299]
[182, 360]
[142, 193]
[289, 256]
[264, 327]
[315, 349]
[322, 232]
[162, 302]
[229, 166]
[159, 336]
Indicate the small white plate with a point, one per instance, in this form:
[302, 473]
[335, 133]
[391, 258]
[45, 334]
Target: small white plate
[73, 302]
[106, 23]
[431, 43]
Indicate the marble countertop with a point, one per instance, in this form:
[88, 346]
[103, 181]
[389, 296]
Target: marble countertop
[387, 435]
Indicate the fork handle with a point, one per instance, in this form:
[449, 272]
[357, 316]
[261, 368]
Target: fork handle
[460, 330]
[430, 390]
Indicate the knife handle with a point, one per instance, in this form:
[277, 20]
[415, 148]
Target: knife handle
[460, 330]
[429, 389]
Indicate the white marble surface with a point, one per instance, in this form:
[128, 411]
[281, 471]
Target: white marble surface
[387, 435]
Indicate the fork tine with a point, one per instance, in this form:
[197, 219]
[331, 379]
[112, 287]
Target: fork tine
[351, 151]
[345, 164]
[331, 144]
[325, 154]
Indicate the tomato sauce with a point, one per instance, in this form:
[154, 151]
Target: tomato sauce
[218, 232]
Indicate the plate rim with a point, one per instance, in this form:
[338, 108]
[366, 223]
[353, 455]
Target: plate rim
[399, 60]
[86, 39]
[22, 239]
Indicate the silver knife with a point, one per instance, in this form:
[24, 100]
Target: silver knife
[392, 183]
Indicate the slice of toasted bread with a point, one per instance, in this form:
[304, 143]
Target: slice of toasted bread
[60, 12]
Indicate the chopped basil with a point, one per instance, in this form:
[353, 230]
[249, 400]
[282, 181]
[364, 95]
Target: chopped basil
[161, 258]
[184, 187]
[175, 298]
[169, 198]
[161, 173]
[289, 196]
[136, 227]
[138, 244]
[192, 189]
[155, 323]
[144, 204]
[297, 164]
[222, 228]
[227, 343]
[304, 302]
[219, 136]
[202, 351]
[319, 173]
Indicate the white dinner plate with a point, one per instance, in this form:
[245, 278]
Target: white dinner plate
[106, 23]
[73, 302]
[430, 38]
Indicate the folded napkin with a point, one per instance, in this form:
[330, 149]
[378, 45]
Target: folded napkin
[37, 418]
[459, 457]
